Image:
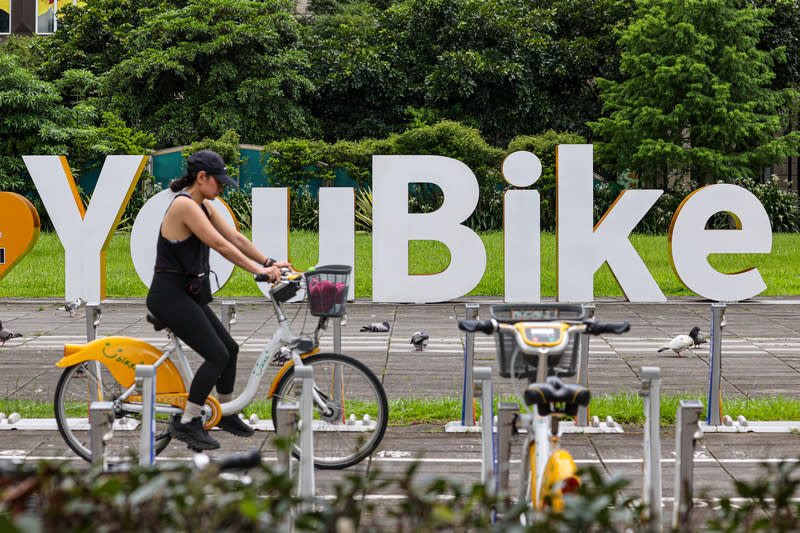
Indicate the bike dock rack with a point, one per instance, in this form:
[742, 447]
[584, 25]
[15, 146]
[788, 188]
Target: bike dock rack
[506, 411]
[467, 423]
[228, 315]
[582, 418]
[101, 415]
[482, 377]
[93, 312]
[715, 421]
[651, 487]
[687, 432]
[304, 377]
[145, 380]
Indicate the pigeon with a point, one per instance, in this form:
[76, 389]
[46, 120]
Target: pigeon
[73, 306]
[684, 342]
[420, 340]
[698, 337]
[376, 326]
[6, 334]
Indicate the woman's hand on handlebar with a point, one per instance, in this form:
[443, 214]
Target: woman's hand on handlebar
[270, 273]
[274, 272]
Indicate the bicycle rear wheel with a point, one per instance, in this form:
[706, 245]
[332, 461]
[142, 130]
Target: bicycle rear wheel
[358, 410]
[90, 381]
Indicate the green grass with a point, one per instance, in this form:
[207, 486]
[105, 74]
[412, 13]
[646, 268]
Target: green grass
[624, 408]
[777, 268]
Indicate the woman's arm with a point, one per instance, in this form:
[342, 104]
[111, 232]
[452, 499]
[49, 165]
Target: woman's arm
[193, 217]
[242, 243]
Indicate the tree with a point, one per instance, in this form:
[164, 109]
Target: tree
[213, 66]
[695, 96]
[31, 122]
[784, 32]
[94, 36]
[507, 67]
[359, 91]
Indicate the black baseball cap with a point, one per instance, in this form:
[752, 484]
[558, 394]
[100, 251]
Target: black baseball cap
[212, 163]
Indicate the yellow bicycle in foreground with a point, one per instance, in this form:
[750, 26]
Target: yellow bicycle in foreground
[350, 407]
[540, 343]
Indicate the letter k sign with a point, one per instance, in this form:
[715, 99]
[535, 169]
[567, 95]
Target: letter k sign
[85, 233]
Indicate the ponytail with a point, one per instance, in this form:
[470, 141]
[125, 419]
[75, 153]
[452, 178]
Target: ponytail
[183, 182]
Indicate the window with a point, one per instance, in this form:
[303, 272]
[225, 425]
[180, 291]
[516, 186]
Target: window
[5, 17]
[45, 16]
[47, 13]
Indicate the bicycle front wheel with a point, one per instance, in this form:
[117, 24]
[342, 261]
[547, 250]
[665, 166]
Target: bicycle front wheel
[352, 423]
[88, 382]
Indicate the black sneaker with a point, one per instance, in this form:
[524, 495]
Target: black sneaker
[193, 434]
[237, 426]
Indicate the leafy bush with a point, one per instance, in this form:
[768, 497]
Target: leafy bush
[59, 498]
[146, 189]
[782, 206]
[56, 497]
[767, 504]
[241, 203]
[295, 162]
[226, 146]
[304, 212]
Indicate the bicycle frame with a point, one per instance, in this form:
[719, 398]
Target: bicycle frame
[551, 465]
[174, 374]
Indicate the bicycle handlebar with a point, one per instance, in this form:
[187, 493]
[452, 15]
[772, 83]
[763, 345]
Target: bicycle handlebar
[484, 326]
[591, 327]
[598, 328]
[262, 278]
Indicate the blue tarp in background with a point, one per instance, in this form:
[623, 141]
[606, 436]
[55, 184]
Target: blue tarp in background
[169, 164]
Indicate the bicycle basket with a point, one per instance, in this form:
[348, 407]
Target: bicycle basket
[563, 364]
[327, 288]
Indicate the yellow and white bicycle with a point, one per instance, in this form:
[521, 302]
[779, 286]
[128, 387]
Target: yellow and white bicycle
[351, 410]
[540, 343]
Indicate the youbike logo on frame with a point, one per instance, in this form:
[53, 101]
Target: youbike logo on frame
[583, 247]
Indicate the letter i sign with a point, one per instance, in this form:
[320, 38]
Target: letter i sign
[19, 229]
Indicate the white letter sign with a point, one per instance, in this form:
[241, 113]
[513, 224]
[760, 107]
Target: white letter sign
[690, 243]
[85, 233]
[583, 249]
[521, 224]
[393, 227]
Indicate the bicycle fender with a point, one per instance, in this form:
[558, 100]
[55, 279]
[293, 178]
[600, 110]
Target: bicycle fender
[558, 478]
[121, 355]
[289, 364]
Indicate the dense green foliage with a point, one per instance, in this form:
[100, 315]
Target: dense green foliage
[695, 97]
[671, 93]
[54, 497]
[31, 121]
[507, 67]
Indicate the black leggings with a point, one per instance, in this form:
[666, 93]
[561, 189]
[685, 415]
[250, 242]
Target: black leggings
[200, 329]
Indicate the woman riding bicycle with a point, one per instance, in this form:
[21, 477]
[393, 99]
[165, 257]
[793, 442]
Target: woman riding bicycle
[181, 289]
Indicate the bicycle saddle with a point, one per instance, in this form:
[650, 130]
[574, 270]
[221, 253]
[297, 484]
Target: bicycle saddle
[157, 324]
[555, 396]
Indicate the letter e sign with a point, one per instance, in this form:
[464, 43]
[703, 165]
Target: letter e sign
[19, 229]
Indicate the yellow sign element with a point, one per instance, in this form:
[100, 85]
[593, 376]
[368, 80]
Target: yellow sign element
[121, 355]
[19, 229]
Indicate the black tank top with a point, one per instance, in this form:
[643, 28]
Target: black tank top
[189, 256]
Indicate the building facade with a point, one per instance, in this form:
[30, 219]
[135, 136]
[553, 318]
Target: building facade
[30, 17]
